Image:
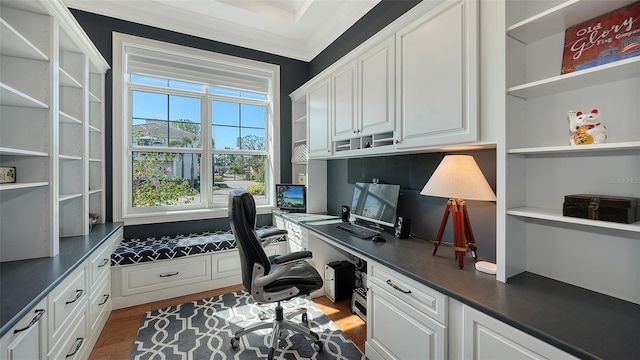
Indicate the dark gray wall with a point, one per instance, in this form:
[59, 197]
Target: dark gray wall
[411, 172]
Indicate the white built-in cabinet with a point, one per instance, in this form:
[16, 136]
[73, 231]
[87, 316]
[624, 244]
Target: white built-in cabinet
[363, 100]
[28, 338]
[407, 88]
[538, 167]
[485, 338]
[437, 82]
[405, 319]
[319, 118]
[307, 171]
[51, 129]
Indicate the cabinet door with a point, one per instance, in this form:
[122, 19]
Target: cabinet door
[377, 95]
[487, 338]
[396, 330]
[344, 95]
[319, 117]
[28, 338]
[437, 77]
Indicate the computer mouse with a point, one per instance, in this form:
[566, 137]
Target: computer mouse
[378, 239]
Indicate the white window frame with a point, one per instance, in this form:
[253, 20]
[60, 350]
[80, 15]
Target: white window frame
[122, 148]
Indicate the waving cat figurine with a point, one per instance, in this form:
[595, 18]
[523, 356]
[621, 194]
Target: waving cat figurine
[586, 128]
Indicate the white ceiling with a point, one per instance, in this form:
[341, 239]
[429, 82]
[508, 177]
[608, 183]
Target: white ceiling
[299, 29]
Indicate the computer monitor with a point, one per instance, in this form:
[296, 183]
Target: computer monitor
[376, 203]
[291, 197]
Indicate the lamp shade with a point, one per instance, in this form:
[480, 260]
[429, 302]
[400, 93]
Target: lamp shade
[459, 177]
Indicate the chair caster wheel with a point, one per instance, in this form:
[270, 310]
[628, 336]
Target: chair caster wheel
[317, 346]
[262, 315]
[272, 352]
[235, 342]
[305, 318]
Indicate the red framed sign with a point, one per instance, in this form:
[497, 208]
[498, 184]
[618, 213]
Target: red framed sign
[607, 38]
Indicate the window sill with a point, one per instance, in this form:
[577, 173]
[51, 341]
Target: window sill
[185, 215]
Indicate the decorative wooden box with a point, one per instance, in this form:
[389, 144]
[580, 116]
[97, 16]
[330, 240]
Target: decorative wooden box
[602, 207]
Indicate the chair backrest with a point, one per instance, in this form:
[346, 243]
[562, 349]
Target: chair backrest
[242, 218]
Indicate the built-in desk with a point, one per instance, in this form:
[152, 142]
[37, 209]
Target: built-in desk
[578, 321]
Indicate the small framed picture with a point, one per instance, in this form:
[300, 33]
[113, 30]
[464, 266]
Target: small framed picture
[7, 174]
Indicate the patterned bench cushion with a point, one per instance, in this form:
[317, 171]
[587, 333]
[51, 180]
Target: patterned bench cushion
[134, 251]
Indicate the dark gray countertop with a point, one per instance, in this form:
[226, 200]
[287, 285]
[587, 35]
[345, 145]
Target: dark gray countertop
[584, 323]
[24, 283]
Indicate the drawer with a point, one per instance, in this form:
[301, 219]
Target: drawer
[27, 338]
[423, 298]
[100, 303]
[226, 264]
[74, 342]
[100, 262]
[67, 300]
[165, 274]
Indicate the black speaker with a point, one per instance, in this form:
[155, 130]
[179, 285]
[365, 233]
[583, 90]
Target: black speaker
[346, 213]
[403, 226]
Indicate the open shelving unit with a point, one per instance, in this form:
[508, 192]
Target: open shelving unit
[541, 167]
[51, 75]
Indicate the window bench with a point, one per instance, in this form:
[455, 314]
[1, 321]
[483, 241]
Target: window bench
[152, 269]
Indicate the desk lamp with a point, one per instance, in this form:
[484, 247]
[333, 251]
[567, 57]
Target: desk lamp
[458, 177]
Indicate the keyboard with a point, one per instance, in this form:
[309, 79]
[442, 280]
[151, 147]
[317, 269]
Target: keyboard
[358, 231]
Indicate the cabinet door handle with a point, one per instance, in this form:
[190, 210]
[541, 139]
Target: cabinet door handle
[106, 298]
[78, 296]
[398, 288]
[79, 342]
[39, 313]
[104, 262]
[169, 274]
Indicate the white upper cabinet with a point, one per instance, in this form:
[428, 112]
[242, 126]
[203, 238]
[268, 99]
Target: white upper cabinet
[319, 119]
[376, 89]
[437, 85]
[345, 97]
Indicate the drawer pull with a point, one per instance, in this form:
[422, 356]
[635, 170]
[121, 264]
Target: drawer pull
[169, 274]
[104, 262]
[106, 298]
[39, 313]
[78, 296]
[398, 288]
[79, 342]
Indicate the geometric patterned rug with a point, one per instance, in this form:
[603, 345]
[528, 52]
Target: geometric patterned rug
[203, 329]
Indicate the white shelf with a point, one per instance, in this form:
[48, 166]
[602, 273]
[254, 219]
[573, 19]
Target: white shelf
[22, 185]
[66, 197]
[93, 98]
[619, 70]
[66, 118]
[21, 152]
[301, 120]
[95, 191]
[568, 149]
[67, 80]
[69, 157]
[556, 215]
[94, 129]
[301, 141]
[95, 160]
[12, 43]
[561, 17]
[12, 97]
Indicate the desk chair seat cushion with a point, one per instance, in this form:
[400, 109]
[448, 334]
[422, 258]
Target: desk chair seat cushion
[302, 276]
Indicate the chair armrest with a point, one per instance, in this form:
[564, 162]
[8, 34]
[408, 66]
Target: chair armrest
[292, 257]
[268, 236]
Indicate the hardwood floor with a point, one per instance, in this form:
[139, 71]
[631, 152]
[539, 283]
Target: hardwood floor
[119, 334]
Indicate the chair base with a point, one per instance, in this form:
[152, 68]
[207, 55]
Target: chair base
[281, 322]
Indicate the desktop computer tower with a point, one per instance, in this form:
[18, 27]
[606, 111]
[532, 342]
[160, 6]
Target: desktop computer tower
[339, 280]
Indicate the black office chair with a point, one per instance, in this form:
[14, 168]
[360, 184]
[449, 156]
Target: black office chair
[270, 280]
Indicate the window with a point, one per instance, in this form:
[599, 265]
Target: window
[195, 125]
